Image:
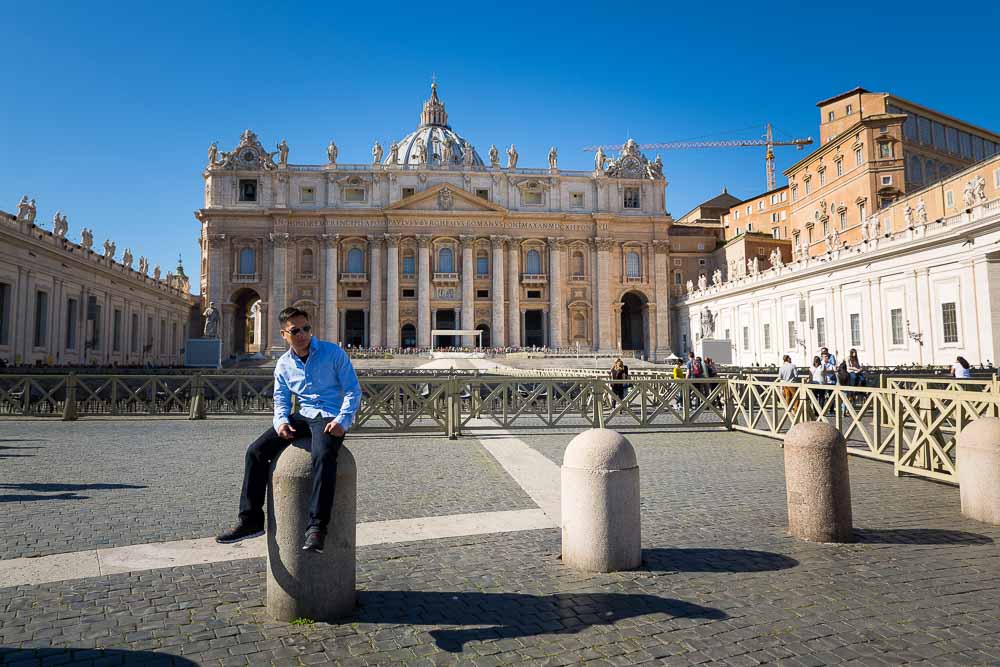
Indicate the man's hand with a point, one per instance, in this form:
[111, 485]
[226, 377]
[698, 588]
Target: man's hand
[334, 429]
[286, 431]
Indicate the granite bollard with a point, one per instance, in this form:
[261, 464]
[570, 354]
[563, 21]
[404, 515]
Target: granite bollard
[601, 530]
[979, 470]
[303, 584]
[818, 483]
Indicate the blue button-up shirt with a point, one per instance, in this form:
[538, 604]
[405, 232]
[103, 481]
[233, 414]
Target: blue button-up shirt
[325, 384]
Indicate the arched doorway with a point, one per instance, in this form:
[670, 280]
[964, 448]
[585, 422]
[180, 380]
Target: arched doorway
[408, 336]
[248, 323]
[633, 321]
[485, 338]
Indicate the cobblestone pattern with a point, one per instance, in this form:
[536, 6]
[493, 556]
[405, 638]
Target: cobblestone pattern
[70, 486]
[721, 583]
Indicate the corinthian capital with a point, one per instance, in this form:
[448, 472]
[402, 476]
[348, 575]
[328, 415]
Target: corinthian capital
[331, 240]
[498, 241]
[556, 243]
[467, 241]
[424, 240]
[392, 240]
[279, 239]
[604, 244]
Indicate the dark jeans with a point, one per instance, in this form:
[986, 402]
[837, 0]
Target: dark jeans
[266, 448]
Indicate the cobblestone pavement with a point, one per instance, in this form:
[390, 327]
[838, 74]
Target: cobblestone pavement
[69, 486]
[721, 583]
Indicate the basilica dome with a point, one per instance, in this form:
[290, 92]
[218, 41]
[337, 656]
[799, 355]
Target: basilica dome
[430, 142]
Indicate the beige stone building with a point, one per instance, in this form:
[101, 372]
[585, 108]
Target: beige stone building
[63, 302]
[426, 235]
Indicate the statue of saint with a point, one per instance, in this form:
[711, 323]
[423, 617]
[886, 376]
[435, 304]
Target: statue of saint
[282, 153]
[512, 157]
[376, 153]
[717, 277]
[494, 156]
[127, 258]
[60, 225]
[212, 317]
[908, 215]
[331, 153]
[394, 153]
[600, 160]
[690, 287]
[22, 209]
[922, 212]
[553, 158]
[447, 152]
[702, 282]
[980, 189]
[420, 151]
[969, 194]
[873, 227]
[213, 153]
[143, 265]
[86, 239]
[109, 249]
[468, 155]
[836, 239]
[156, 272]
[657, 167]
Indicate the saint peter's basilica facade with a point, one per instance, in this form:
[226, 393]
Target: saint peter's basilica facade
[429, 236]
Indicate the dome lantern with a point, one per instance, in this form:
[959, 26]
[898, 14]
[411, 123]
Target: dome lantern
[434, 113]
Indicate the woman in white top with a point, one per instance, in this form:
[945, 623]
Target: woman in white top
[960, 369]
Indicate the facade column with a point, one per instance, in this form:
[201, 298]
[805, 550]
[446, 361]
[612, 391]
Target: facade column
[468, 320]
[497, 324]
[277, 299]
[514, 302]
[556, 293]
[661, 277]
[331, 311]
[602, 295]
[392, 291]
[423, 290]
[375, 292]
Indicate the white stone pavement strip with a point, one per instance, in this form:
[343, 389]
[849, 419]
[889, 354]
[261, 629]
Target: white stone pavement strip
[94, 563]
[532, 470]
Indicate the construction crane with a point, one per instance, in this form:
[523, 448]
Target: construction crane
[767, 140]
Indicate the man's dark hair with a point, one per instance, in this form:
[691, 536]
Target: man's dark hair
[290, 312]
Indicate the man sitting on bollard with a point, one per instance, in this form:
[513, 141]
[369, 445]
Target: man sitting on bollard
[321, 376]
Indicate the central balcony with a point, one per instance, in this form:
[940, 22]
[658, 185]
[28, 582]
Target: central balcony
[353, 278]
[245, 278]
[440, 277]
[534, 278]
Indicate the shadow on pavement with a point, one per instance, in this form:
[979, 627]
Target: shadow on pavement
[44, 488]
[83, 656]
[512, 615]
[16, 498]
[714, 560]
[918, 536]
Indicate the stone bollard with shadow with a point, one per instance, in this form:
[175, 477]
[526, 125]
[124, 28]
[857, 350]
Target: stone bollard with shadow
[601, 529]
[818, 483]
[979, 470]
[302, 584]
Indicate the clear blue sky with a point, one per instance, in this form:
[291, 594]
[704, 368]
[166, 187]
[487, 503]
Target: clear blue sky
[108, 109]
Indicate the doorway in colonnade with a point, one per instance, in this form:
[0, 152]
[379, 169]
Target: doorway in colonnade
[354, 328]
[485, 338]
[634, 322]
[534, 328]
[446, 319]
[408, 336]
[248, 324]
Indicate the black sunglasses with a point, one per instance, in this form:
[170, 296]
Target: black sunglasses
[294, 331]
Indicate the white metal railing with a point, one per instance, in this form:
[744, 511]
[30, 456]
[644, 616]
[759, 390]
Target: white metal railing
[245, 278]
[353, 277]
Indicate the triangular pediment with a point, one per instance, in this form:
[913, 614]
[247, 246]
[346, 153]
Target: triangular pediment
[446, 197]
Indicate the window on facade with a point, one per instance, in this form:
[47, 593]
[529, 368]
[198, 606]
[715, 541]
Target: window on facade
[482, 264]
[965, 144]
[534, 294]
[952, 139]
[896, 321]
[924, 129]
[840, 167]
[826, 228]
[795, 194]
[72, 309]
[308, 195]
[677, 277]
[632, 268]
[855, 329]
[746, 338]
[532, 197]
[446, 261]
[821, 331]
[5, 305]
[409, 263]
[996, 178]
[829, 116]
[791, 333]
[134, 334]
[808, 186]
[579, 265]
[822, 178]
[858, 156]
[533, 263]
[843, 220]
[116, 330]
[248, 189]
[887, 180]
[631, 198]
[41, 318]
[579, 326]
[409, 192]
[767, 336]
[939, 141]
[409, 293]
[949, 199]
[355, 261]
[885, 149]
[576, 199]
[247, 262]
[482, 294]
[308, 262]
[483, 193]
[354, 194]
[849, 109]
[861, 211]
[949, 318]
[776, 233]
